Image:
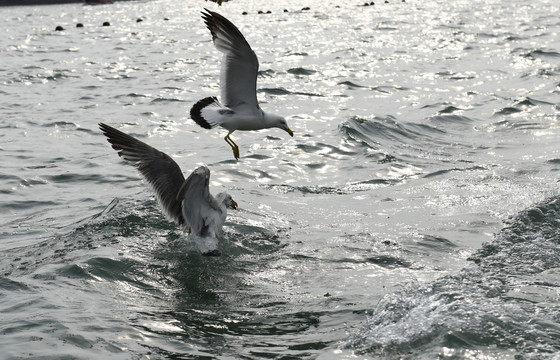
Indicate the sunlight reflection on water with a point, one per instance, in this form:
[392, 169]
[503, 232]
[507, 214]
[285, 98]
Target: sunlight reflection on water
[418, 128]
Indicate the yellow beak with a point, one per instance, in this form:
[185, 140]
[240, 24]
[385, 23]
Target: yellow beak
[233, 204]
[287, 129]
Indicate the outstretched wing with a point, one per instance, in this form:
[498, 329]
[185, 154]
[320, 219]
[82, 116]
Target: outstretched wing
[239, 65]
[200, 210]
[161, 172]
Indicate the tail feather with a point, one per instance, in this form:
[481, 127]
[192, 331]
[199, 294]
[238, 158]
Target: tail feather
[196, 112]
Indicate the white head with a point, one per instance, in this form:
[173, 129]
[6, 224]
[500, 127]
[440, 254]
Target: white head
[227, 200]
[277, 121]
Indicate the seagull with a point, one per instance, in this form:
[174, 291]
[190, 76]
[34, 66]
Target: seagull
[238, 82]
[186, 202]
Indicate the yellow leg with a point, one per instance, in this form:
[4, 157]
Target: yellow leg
[233, 145]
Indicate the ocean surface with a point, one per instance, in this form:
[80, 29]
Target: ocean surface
[415, 214]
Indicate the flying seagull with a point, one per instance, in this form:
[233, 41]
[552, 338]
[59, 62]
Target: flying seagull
[238, 81]
[186, 202]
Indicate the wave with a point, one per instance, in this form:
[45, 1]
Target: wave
[505, 302]
[283, 91]
[371, 132]
[454, 169]
[350, 188]
[166, 100]
[451, 75]
[39, 75]
[352, 85]
[408, 148]
[538, 53]
[450, 110]
[508, 110]
[390, 134]
[301, 71]
[324, 148]
[521, 105]
[12, 285]
[383, 89]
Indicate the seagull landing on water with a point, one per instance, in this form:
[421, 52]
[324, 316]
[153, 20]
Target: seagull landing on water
[238, 82]
[187, 202]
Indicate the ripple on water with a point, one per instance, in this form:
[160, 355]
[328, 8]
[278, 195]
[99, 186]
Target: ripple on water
[324, 149]
[450, 120]
[12, 285]
[538, 53]
[349, 188]
[283, 91]
[301, 71]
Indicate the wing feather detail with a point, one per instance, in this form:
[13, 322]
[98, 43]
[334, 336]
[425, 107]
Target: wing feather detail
[160, 170]
[240, 64]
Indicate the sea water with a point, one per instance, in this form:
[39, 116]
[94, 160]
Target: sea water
[415, 213]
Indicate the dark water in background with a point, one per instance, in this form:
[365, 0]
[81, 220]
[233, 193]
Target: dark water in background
[415, 214]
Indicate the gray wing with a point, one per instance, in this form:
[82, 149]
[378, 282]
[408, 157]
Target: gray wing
[199, 207]
[240, 64]
[161, 172]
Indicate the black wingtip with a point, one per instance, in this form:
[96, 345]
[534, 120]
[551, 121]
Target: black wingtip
[210, 22]
[197, 108]
[103, 126]
[108, 131]
[208, 15]
[118, 139]
[216, 22]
